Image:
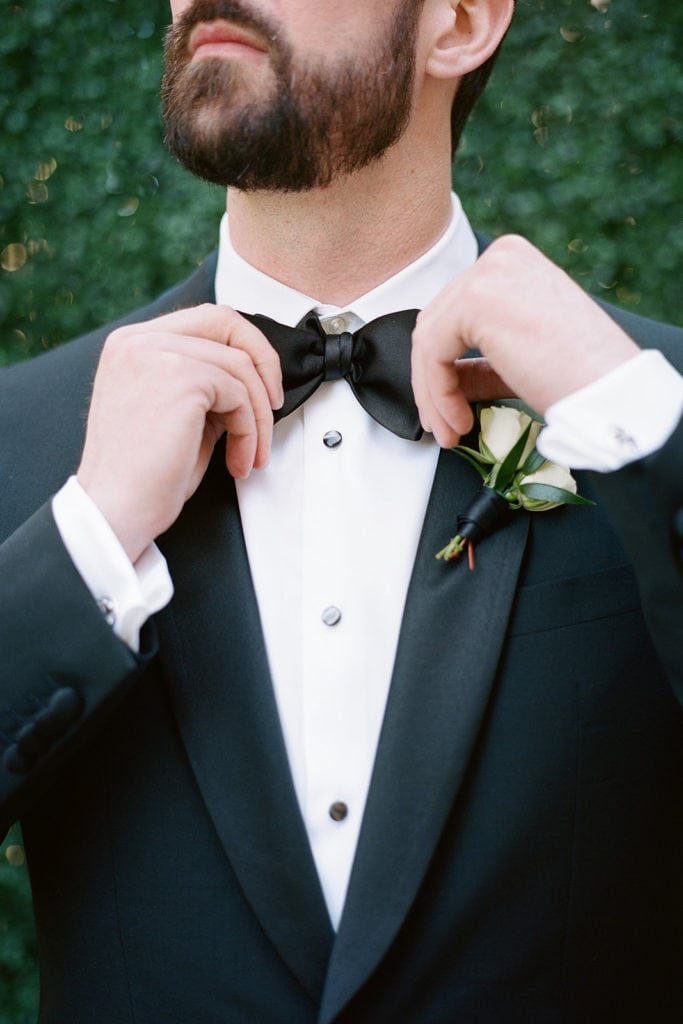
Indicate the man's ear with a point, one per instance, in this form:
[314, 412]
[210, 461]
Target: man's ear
[465, 34]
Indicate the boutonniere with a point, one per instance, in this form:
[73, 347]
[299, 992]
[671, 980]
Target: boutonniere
[514, 476]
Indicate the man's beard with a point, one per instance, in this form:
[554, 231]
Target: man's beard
[318, 120]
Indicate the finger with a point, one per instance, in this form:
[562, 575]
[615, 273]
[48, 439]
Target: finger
[443, 406]
[222, 386]
[223, 325]
[246, 337]
[231, 411]
[238, 395]
[477, 382]
[450, 411]
[240, 365]
[420, 390]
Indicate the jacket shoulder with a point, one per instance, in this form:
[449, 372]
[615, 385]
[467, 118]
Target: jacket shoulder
[647, 333]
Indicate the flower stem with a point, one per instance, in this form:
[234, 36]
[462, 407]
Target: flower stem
[453, 549]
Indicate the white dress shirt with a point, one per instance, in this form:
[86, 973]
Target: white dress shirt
[331, 535]
[331, 532]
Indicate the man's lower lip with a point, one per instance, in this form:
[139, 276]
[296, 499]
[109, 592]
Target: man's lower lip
[226, 48]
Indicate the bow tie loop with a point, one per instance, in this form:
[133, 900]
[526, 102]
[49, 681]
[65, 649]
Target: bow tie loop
[374, 360]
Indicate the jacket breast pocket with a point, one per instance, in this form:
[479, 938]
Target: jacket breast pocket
[558, 603]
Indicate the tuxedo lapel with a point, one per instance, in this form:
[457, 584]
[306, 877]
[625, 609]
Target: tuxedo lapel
[451, 637]
[452, 633]
[214, 657]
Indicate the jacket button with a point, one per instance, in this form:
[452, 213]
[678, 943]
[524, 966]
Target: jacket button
[35, 738]
[29, 741]
[64, 707]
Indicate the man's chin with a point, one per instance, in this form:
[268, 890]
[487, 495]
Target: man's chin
[208, 123]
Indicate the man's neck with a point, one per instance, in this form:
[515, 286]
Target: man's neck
[339, 242]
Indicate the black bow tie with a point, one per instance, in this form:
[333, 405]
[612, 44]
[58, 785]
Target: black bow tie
[375, 360]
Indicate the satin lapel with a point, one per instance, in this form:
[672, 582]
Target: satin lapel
[452, 633]
[220, 688]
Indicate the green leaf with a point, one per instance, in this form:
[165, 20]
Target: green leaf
[505, 473]
[479, 456]
[465, 453]
[533, 461]
[546, 492]
[486, 452]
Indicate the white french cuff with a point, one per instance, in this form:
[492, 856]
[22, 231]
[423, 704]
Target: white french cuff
[624, 416]
[128, 594]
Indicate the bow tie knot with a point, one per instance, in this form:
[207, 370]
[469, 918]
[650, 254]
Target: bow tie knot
[374, 360]
[338, 356]
[338, 350]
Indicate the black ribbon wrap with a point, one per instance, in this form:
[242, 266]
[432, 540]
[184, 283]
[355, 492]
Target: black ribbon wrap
[485, 514]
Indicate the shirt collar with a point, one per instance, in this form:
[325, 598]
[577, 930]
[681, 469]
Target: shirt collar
[242, 286]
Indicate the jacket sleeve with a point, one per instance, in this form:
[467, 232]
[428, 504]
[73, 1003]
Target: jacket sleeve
[61, 668]
[645, 503]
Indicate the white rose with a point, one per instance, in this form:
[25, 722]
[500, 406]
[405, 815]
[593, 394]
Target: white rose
[553, 475]
[501, 428]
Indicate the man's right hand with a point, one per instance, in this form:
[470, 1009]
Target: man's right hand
[539, 332]
[165, 391]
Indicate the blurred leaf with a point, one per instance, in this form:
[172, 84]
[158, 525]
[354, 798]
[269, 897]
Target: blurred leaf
[18, 973]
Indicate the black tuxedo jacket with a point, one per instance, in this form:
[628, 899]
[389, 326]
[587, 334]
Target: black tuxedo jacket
[521, 855]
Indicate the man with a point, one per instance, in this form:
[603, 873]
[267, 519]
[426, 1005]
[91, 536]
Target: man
[334, 779]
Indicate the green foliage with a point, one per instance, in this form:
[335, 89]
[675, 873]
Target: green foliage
[18, 980]
[576, 144]
[101, 215]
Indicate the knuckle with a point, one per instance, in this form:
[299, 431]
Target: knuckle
[510, 247]
[120, 334]
[263, 426]
[510, 241]
[230, 319]
[240, 360]
[240, 397]
[117, 347]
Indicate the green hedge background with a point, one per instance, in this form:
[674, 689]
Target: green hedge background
[577, 145]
